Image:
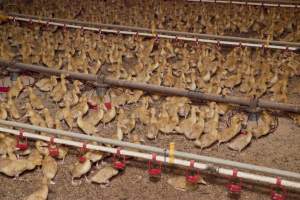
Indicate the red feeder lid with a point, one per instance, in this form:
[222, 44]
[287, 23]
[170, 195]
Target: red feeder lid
[235, 188]
[53, 151]
[93, 105]
[154, 171]
[82, 159]
[193, 179]
[108, 105]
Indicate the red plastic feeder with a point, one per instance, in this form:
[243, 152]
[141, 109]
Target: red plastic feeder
[52, 148]
[107, 102]
[83, 150]
[119, 160]
[278, 195]
[22, 143]
[235, 187]
[93, 105]
[4, 89]
[192, 177]
[154, 168]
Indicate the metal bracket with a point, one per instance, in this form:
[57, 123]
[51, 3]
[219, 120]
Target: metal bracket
[101, 86]
[14, 72]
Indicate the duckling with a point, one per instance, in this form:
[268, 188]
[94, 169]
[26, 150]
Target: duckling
[186, 126]
[82, 107]
[265, 123]
[13, 167]
[46, 84]
[197, 128]
[7, 145]
[3, 111]
[94, 156]
[86, 126]
[167, 123]
[142, 113]
[48, 118]
[12, 109]
[94, 116]
[228, 133]
[211, 133]
[34, 117]
[152, 130]
[59, 90]
[180, 183]
[104, 175]
[67, 115]
[72, 95]
[126, 121]
[109, 115]
[35, 101]
[42, 193]
[133, 96]
[79, 169]
[42, 147]
[36, 157]
[16, 88]
[118, 135]
[49, 167]
[241, 141]
[296, 118]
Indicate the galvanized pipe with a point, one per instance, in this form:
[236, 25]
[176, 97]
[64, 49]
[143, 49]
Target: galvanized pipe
[178, 154]
[166, 34]
[270, 3]
[198, 96]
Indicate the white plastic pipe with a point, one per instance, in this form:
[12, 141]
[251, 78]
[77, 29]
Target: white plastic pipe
[145, 34]
[147, 156]
[185, 155]
[262, 3]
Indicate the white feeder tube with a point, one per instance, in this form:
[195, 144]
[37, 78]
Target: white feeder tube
[164, 36]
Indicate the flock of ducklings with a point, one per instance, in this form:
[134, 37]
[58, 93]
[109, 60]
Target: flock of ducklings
[57, 102]
[219, 19]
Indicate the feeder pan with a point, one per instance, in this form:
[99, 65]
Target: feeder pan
[22, 143]
[4, 89]
[119, 161]
[190, 177]
[82, 159]
[52, 148]
[154, 168]
[275, 195]
[82, 150]
[235, 187]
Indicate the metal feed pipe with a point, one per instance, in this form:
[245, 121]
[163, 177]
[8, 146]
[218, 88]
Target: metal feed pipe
[221, 171]
[159, 33]
[194, 95]
[267, 3]
[177, 154]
